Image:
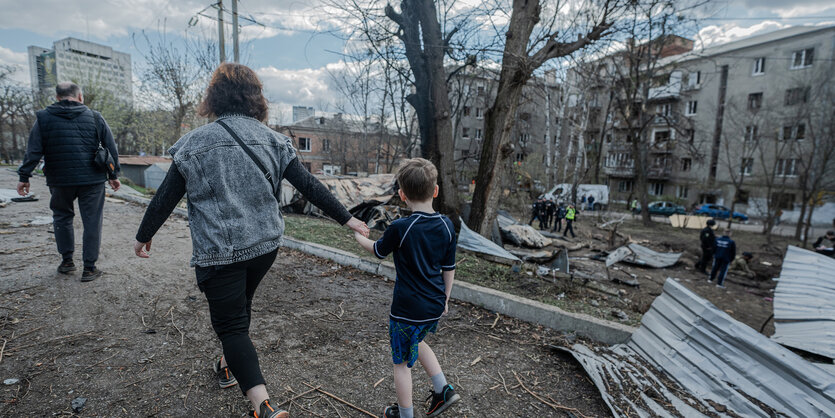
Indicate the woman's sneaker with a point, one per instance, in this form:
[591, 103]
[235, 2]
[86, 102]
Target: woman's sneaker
[224, 377]
[267, 411]
[441, 401]
[392, 411]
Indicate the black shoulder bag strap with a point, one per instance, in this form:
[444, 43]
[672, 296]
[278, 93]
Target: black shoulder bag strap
[249, 152]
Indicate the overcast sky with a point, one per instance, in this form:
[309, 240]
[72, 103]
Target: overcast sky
[293, 50]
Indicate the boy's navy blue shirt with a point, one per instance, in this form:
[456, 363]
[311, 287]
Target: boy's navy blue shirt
[424, 246]
[725, 249]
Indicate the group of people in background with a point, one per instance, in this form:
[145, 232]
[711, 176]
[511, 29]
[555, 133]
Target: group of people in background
[720, 253]
[550, 214]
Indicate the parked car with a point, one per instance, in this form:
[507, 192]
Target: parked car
[718, 212]
[665, 208]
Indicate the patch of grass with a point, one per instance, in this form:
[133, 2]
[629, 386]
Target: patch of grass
[563, 294]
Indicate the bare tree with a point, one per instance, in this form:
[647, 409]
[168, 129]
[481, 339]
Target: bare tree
[521, 57]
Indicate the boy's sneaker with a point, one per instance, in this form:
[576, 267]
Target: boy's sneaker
[66, 267]
[225, 379]
[441, 401]
[267, 411]
[90, 274]
[392, 411]
[720, 286]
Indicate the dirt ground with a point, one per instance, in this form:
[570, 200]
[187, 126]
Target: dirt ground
[138, 342]
[747, 300]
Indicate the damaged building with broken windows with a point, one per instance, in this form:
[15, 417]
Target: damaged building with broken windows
[747, 123]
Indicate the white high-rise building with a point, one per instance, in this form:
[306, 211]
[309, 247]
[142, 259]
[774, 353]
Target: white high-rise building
[95, 67]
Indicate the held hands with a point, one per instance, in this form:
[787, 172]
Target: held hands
[23, 189]
[358, 226]
[142, 248]
[115, 184]
[446, 308]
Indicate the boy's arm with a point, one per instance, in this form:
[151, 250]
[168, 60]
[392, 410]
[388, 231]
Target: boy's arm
[364, 242]
[449, 277]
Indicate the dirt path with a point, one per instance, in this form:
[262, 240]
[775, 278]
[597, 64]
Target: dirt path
[137, 342]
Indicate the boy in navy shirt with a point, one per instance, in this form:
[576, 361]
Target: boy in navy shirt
[424, 258]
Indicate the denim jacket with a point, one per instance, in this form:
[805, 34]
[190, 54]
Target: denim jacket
[232, 210]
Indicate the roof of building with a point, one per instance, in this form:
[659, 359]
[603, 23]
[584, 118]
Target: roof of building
[142, 160]
[343, 122]
[747, 42]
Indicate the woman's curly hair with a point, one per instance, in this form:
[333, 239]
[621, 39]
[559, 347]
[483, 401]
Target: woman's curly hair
[234, 88]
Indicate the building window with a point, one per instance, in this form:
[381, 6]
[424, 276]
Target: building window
[800, 132]
[661, 137]
[656, 189]
[803, 58]
[466, 111]
[304, 144]
[787, 167]
[682, 192]
[477, 133]
[524, 139]
[751, 133]
[520, 156]
[759, 66]
[692, 106]
[755, 101]
[480, 86]
[695, 79]
[691, 135]
[465, 153]
[479, 113]
[686, 163]
[741, 196]
[783, 201]
[625, 186]
[664, 109]
[746, 166]
[326, 144]
[465, 132]
[797, 95]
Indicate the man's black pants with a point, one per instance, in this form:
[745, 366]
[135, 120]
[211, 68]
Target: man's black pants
[91, 205]
[229, 290]
[706, 260]
[569, 227]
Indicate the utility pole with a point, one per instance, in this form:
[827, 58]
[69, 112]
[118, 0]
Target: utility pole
[220, 39]
[235, 30]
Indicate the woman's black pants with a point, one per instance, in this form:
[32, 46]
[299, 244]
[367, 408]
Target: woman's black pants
[229, 290]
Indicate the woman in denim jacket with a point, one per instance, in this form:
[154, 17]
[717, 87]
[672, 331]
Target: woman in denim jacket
[234, 216]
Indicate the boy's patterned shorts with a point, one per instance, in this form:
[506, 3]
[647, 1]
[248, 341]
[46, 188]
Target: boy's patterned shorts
[405, 339]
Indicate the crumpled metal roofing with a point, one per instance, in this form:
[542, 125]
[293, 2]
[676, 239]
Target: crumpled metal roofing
[805, 296]
[689, 358]
[470, 240]
[642, 256]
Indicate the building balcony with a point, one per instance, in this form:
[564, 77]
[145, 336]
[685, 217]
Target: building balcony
[665, 147]
[619, 171]
[658, 172]
[669, 91]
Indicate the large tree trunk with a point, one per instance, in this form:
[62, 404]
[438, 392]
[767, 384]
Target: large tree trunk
[425, 47]
[499, 118]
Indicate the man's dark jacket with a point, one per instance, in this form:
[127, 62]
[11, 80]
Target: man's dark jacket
[708, 239]
[66, 134]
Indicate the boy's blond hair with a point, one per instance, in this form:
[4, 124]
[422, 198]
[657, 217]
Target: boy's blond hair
[417, 178]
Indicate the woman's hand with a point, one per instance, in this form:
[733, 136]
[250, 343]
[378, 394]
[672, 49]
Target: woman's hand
[141, 249]
[358, 226]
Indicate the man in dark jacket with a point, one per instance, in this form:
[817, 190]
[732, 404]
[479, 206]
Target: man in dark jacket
[725, 253]
[535, 209]
[708, 243]
[558, 217]
[550, 210]
[66, 135]
[826, 244]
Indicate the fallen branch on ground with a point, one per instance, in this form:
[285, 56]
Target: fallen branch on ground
[330, 395]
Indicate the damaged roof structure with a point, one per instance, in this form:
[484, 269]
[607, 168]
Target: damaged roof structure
[804, 302]
[691, 359]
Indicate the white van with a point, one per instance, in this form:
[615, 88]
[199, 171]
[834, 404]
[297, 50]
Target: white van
[562, 193]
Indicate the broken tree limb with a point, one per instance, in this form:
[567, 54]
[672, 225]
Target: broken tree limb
[330, 395]
[552, 404]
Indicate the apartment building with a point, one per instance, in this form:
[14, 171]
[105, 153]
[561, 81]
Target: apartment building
[341, 144]
[95, 67]
[730, 123]
[533, 137]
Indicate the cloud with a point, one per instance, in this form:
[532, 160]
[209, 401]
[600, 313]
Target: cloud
[303, 87]
[785, 8]
[19, 61]
[719, 34]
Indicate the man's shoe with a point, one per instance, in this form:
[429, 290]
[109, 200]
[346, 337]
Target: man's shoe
[66, 267]
[441, 401]
[267, 411]
[720, 286]
[225, 379]
[90, 274]
[392, 411]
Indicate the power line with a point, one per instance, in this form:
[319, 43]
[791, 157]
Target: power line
[768, 18]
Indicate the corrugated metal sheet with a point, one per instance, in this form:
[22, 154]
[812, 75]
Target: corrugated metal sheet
[642, 256]
[471, 241]
[689, 358]
[805, 296]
